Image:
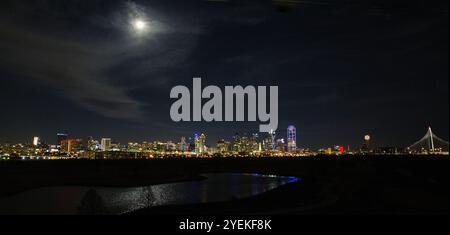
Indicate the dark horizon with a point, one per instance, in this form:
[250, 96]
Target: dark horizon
[344, 70]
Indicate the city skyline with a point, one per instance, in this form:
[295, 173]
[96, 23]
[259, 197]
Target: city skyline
[224, 115]
[106, 68]
[289, 140]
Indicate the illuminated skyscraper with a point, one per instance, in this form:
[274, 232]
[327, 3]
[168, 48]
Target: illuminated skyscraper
[36, 141]
[254, 146]
[281, 145]
[69, 145]
[196, 142]
[267, 142]
[236, 143]
[92, 144]
[367, 139]
[223, 146]
[291, 138]
[273, 134]
[366, 146]
[183, 146]
[106, 144]
[200, 143]
[60, 138]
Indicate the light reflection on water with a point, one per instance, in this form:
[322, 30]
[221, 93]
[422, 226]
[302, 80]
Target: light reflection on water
[216, 188]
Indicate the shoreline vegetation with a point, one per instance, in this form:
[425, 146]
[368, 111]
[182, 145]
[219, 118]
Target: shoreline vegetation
[354, 185]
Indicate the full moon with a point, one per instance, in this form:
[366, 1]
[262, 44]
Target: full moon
[139, 25]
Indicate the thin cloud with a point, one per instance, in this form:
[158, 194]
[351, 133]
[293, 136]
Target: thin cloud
[80, 70]
[74, 70]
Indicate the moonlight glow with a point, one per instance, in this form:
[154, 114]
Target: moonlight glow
[139, 25]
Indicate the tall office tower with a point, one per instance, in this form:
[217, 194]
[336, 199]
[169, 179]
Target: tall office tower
[281, 145]
[106, 144]
[196, 142]
[202, 146]
[267, 142]
[273, 135]
[36, 141]
[291, 138]
[183, 146]
[92, 144]
[367, 140]
[60, 138]
[254, 143]
[71, 145]
[366, 146]
[236, 143]
[200, 141]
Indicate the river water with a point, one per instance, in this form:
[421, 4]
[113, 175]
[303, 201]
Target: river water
[69, 200]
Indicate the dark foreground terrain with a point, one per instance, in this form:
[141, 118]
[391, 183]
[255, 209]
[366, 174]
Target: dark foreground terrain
[347, 185]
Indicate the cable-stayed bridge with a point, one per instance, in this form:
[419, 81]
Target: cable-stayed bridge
[430, 143]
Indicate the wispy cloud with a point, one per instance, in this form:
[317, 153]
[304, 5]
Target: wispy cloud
[80, 70]
[73, 69]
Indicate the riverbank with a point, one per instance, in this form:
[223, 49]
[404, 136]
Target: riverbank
[25, 175]
[336, 186]
[380, 185]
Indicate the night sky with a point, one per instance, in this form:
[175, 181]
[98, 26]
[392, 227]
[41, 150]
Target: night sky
[344, 68]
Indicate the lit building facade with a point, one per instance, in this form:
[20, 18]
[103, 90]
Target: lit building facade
[273, 135]
[183, 146]
[281, 145]
[291, 138]
[71, 145]
[223, 146]
[60, 138]
[36, 141]
[106, 144]
[200, 143]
